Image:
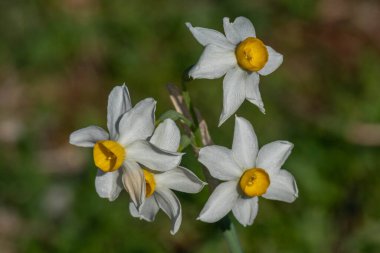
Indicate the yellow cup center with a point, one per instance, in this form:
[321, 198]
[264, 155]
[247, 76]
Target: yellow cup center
[150, 183]
[251, 54]
[108, 155]
[254, 182]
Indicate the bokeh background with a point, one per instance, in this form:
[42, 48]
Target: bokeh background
[60, 59]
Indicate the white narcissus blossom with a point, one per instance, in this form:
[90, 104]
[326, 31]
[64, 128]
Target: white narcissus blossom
[248, 173]
[117, 153]
[240, 56]
[159, 185]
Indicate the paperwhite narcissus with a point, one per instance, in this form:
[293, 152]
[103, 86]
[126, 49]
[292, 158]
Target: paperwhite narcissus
[116, 154]
[240, 56]
[159, 185]
[247, 173]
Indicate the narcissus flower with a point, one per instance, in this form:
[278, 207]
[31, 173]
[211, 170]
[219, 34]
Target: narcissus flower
[159, 185]
[247, 173]
[117, 153]
[240, 56]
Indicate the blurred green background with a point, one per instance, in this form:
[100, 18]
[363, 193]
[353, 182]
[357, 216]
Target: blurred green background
[60, 59]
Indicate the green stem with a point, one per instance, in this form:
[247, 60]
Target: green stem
[230, 235]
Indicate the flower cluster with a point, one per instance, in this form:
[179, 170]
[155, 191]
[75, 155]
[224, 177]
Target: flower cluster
[144, 160]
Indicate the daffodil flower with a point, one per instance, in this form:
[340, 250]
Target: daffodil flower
[247, 173]
[240, 56]
[159, 185]
[117, 153]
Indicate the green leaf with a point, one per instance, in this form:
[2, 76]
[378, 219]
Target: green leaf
[186, 97]
[184, 143]
[171, 114]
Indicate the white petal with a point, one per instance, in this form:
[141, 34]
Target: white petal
[87, 137]
[207, 36]
[180, 179]
[231, 33]
[239, 30]
[213, 63]
[170, 204]
[119, 103]
[133, 210]
[221, 201]
[252, 91]
[274, 61]
[137, 123]
[152, 157]
[233, 92]
[166, 136]
[273, 155]
[108, 185]
[244, 27]
[245, 210]
[220, 162]
[148, 210]
[244, 146]
[282, 187]
[134, 182]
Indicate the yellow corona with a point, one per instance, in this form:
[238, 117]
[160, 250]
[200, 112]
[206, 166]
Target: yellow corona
[251, 54]
[108, 155]
[254, 182]
[150, 183]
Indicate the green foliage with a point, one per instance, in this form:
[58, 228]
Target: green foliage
[172, 114]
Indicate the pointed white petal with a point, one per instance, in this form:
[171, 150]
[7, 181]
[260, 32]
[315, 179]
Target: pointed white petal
[274, 61]
[119, 103]
[220, 162]
[148, 210]
[273, 155]
[231, 33]
[152, 157]
[207, 36]
[134, 182]
[166, 136]
[213, 63]
[221, 201]
[239, 30]
[170, 204]
[87, 137]
[133, 210]
[137, 123]
[244, 146]
[180, 179]
[244, 27]
[233, 92]
[252, 91]
[282, 187]
[245, 210]
[108, 185]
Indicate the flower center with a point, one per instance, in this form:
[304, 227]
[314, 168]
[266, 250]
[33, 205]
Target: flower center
[251, 54]
[108, 155]
[254, 182]
[150, 183]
